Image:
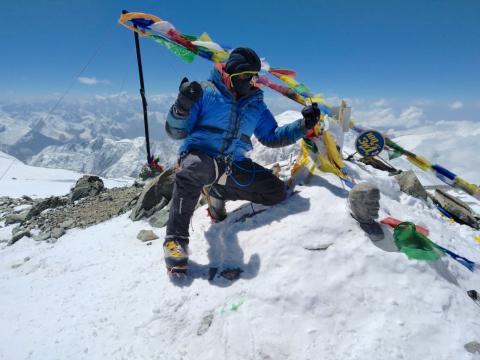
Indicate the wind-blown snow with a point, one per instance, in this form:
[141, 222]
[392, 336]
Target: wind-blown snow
[99, 293]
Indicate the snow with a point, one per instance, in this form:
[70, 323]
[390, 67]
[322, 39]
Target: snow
[99, 293]
[17, 179]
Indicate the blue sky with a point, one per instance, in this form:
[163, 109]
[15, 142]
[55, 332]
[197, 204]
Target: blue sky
[406, 52]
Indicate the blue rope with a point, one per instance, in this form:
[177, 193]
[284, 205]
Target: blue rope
[252, 171]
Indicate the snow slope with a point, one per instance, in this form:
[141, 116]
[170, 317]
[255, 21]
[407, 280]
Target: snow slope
[99, 293]
[17, 179]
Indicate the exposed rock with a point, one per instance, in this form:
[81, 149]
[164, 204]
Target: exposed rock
[155, 196]
[57, 232]
[49, 203]
[18, 235]
[63, 214]
[16, 218]
[410, 185]
[473, 347]
[87, 185]
[18, 229]
[364, 202]
[67, 224]
[146, 235]
[42, 236]
[159, 218]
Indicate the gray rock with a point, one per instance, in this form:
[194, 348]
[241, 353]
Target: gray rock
[27, 198]
[42, 236]
[159, 218]
[49, 203]
[87, 185]
[67, 224]
[16, 218]
[155, 196]
[18, 229]
[364, 202]
[18, 235]
[410, 185]
[146, 235]
[58, 232]
[472, 347]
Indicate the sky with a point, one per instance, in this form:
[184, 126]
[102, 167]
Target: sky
[422, 54]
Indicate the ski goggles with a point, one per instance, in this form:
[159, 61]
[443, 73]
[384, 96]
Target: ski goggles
[251, 76]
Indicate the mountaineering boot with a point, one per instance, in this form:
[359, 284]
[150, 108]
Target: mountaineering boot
[216, 206]
[176, 255]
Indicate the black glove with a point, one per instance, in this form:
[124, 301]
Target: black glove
[311, 114]
[189, 94]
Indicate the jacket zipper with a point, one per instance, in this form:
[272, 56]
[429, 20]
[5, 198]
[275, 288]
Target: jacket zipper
[231, 121]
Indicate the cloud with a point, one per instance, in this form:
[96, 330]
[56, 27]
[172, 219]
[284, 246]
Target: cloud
[411, 116]
[92, 81]
[388, 117]
[381, 103]
[456, 105]
[423, 102]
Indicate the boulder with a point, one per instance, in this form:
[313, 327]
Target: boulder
[364, 203]
[155, 196]
[410, 185]
[87, 185]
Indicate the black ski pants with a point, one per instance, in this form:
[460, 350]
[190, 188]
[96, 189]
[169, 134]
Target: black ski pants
[248, 181]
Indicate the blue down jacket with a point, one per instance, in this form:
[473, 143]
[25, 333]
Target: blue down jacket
[220, 125]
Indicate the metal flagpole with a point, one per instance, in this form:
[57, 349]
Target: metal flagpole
[142, 93]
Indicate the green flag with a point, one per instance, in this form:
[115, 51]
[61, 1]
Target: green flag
[178, 50]
[413, 244]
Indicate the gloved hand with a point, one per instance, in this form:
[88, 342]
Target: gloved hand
[189, 94]
[311, 114]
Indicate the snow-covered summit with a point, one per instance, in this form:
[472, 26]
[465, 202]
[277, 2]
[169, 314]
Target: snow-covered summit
[313, 286]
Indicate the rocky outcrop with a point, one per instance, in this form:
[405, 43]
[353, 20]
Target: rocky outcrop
[49, 203]
[87, 185]
[48, 219]
[155, 196]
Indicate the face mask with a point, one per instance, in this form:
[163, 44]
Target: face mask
[241, 86]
